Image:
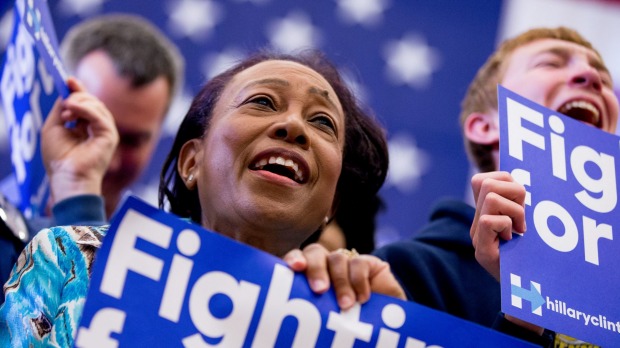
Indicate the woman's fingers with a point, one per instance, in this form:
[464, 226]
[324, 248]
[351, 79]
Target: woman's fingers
[316, 267]
[360, 268]
[338, 263]
[352, 276]
[382, 280]
[296, 260]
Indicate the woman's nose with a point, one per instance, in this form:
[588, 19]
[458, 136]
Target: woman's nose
[292, 129]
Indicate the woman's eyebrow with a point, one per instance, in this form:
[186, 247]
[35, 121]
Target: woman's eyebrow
[324, 94]
[269, 81]
[276, 81]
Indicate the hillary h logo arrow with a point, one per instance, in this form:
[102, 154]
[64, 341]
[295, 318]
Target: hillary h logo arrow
[533, 294]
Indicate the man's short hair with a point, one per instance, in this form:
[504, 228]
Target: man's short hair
[137, 48]
[481, 95]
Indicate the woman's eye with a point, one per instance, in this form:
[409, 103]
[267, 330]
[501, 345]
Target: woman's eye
[264, 101]
[324, 121]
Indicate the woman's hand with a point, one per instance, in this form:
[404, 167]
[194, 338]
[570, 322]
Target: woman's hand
[353, 276]
[499, 211]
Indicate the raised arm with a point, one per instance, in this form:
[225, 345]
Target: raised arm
[76, 158]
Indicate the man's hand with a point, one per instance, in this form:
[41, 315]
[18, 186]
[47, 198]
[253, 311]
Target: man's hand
[76, 158]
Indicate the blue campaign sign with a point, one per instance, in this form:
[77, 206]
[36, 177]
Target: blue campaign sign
[27, 91]
[36, 19]
[162, 281]
[562, 273]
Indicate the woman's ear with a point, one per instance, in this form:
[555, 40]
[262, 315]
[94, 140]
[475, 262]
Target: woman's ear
[187, 164]
[482, 128]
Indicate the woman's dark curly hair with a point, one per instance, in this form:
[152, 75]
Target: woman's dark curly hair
[365, 158]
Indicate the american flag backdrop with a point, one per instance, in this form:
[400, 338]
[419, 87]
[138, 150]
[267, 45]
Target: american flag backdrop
[409, 60]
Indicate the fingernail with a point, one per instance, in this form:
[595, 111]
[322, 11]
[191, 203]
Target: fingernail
[295, 259]
[345, 301]
[319, 285]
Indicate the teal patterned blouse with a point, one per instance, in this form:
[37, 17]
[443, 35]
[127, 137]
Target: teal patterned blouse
[47, 288]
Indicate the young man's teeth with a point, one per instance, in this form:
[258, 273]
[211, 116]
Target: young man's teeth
[582, 105]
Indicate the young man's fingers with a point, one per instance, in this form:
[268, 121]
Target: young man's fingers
[501, 198]
[491, 229]
[478, 179]
[496, 204]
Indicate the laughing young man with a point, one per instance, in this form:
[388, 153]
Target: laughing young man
[554, 67]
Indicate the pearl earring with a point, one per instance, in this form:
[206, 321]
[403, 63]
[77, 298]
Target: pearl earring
[190, 178]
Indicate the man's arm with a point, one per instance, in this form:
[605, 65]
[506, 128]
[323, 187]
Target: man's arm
[76, 158]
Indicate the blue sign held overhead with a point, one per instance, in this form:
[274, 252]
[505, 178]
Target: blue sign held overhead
[31, 69]
[36, 18]
[570, 252]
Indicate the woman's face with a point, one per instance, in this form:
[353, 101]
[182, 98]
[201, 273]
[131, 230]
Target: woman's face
[272, 155]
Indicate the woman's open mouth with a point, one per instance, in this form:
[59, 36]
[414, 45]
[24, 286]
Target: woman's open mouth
[285, 164]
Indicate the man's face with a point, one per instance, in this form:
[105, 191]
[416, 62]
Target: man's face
[138, 113]
[566, 77]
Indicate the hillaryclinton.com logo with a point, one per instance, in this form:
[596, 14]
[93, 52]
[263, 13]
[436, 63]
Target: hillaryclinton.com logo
[529, 297]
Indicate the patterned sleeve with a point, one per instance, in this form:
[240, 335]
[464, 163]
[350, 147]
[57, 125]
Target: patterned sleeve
[46, 291]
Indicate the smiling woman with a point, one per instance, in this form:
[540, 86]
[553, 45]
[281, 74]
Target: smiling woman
[276, 116]
[264, 155]
[276, 142]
